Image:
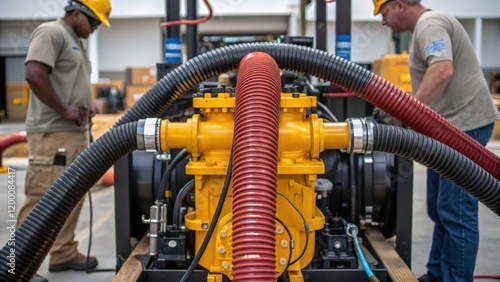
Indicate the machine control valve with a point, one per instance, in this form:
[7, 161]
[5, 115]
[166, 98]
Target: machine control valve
[157, 224]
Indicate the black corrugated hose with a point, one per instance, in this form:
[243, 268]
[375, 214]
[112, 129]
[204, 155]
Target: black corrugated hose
[440, 158]
[207, 65]
[35, 236]
[348, 75]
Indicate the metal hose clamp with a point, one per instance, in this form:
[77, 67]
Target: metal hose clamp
[140, 134]
[362, 138]
[148, 132]
[370, 136]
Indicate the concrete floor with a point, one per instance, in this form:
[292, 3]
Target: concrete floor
[103, 237]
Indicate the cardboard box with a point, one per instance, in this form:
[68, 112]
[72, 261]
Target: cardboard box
[102, 123]
[135, 92]
[17, 101]
[496, 131]
[140, 75]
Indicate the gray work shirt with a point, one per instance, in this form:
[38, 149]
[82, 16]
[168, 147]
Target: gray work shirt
[466, 101]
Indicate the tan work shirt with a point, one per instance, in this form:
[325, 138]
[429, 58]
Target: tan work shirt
[56, 45]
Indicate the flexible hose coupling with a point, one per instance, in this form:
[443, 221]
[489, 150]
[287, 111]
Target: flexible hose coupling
[351, 230]
[361, 135]
[148, 134]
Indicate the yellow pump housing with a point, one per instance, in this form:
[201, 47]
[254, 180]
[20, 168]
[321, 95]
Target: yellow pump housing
[394, 68]
[302, 136]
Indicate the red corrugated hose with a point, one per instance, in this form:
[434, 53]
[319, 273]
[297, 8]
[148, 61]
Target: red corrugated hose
[255, 168]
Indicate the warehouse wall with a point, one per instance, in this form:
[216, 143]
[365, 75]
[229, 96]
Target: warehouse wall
[135, 38]
[365, 25]
[15, 36]
[138, 41]
[369, 40]
[46, 9]
[130, 42]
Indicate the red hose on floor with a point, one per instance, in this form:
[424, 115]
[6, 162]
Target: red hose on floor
[411, 112]
[255, 168]
[487, 276]
[9, 140]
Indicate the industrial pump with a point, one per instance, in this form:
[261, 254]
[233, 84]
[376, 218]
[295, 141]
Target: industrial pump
[272, 188]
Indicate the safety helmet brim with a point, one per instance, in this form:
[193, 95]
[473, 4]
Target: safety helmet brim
[99, 9]
[377, 5]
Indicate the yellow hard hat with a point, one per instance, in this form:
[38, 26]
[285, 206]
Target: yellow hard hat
[100, 8]
[378, 4]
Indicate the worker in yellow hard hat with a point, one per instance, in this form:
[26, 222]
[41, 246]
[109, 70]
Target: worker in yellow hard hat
[96, 9]
[57, 69]
[378, 4]
[446, 76]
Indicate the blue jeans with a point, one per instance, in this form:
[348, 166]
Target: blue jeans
[455, 214]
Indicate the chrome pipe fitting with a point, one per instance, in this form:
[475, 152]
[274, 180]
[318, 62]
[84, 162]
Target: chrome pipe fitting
[148, 134]
[361, 135]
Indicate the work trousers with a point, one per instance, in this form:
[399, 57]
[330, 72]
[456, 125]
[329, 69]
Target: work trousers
[455, 214]
[50, 153]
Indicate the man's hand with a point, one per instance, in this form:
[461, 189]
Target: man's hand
[76, 113]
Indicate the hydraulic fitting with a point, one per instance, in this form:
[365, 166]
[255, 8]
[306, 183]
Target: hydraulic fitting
[148, 134]
[157, 223]
[361, 136]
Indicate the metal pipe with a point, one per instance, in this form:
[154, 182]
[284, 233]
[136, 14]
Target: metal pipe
[302, 17]
[172, 39]
[321, 25]
[172, 12]
[343, 29]
[192, 29]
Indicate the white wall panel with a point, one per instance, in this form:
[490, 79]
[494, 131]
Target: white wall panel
[362, 10]
[32, 9]
[129, 43]
[369, 40]
[245, 25]
[135, 36]
[15, 37]
[49, 9]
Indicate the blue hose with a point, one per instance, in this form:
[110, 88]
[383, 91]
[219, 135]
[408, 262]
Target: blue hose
[352, 231]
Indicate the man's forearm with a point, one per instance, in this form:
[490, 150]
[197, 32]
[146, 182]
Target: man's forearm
[46, 95]
[37, 76]
[435, 80]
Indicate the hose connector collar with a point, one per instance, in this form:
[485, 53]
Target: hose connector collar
[148, 134]
[361, 135]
